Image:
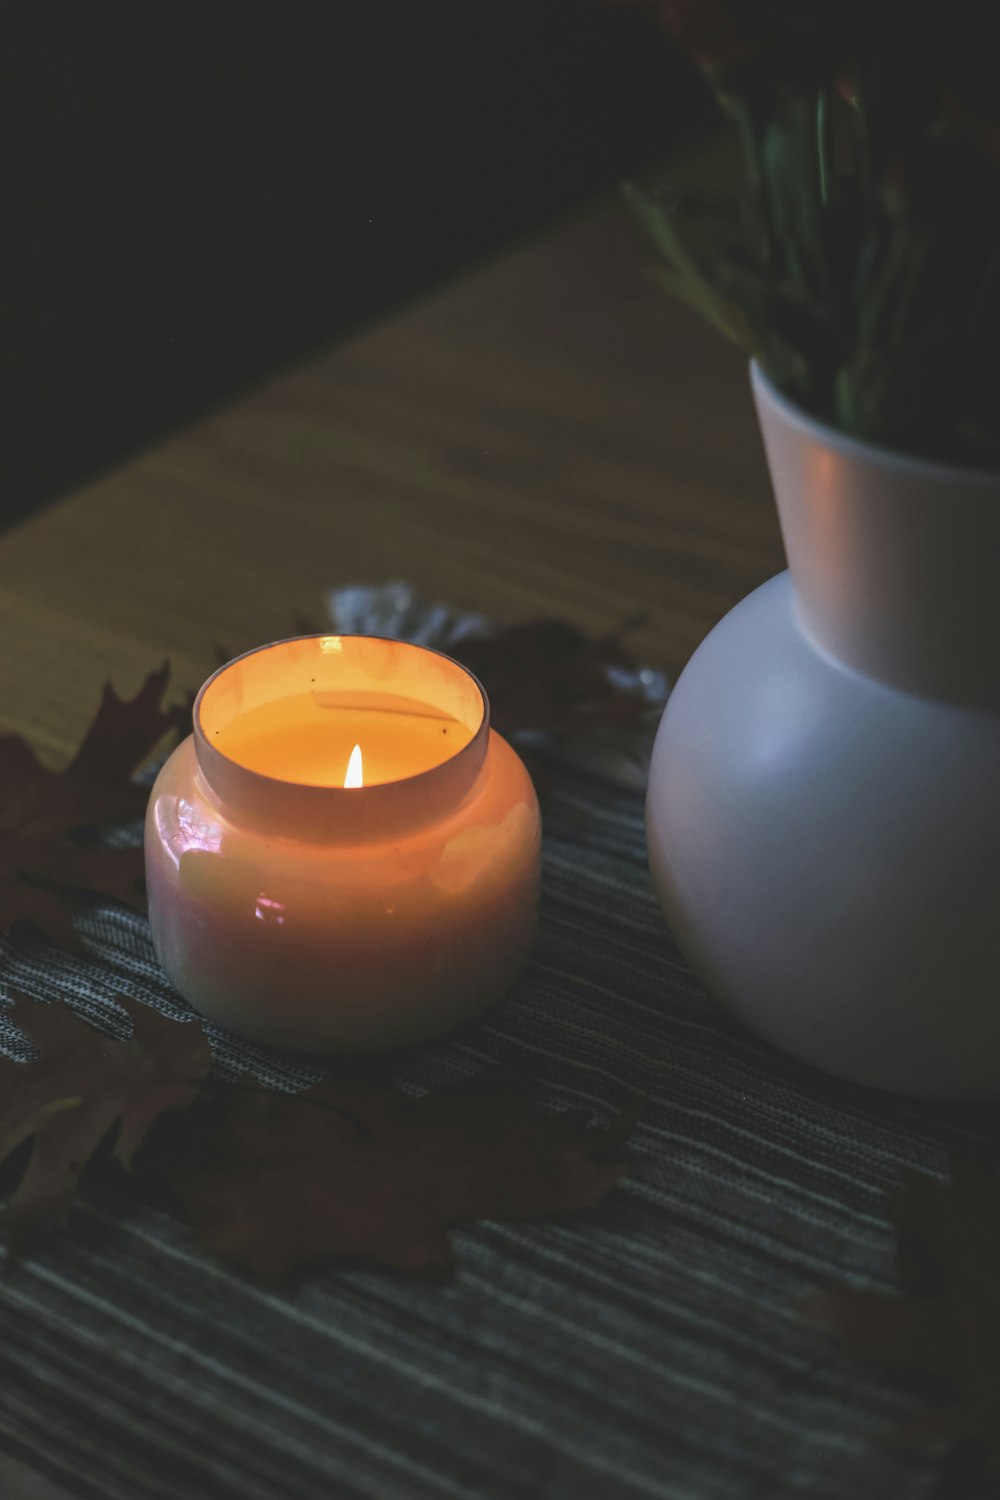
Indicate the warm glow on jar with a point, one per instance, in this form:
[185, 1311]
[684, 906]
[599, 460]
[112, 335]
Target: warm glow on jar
[344, 854]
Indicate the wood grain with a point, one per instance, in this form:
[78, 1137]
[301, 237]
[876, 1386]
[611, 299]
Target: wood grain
[549, 435]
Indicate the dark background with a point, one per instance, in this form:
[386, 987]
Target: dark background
[193, 194]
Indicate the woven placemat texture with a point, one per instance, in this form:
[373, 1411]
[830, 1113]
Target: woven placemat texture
[650, 1348]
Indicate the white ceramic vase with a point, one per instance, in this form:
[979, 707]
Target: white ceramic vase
[823, 812]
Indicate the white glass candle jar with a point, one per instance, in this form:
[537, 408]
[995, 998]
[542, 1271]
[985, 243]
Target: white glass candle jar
[309, 913]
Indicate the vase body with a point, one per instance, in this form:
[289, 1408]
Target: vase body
[823, 813]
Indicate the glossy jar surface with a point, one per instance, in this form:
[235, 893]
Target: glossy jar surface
[325, 917]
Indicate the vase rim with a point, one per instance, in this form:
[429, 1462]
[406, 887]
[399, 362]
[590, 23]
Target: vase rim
[862, 448]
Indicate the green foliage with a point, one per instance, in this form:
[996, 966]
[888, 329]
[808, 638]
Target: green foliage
[861, 266]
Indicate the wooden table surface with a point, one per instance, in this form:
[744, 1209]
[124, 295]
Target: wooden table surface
[548, 435]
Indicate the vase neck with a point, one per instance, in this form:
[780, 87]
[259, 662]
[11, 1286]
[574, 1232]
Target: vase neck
[894, 560]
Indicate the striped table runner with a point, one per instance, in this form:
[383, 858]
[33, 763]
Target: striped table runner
[651, 1348]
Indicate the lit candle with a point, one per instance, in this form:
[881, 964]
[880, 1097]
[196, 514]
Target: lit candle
[343, 854]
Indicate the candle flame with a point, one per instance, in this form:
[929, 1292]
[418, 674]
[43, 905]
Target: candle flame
[355, 774]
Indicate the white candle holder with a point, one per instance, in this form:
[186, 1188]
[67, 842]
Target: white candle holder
[309, 914]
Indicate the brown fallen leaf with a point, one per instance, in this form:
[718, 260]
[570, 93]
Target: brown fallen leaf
[549, 677]
[39, 864]
[123, 733]
[945, 1328]
[353, 1169]
[81, 1085]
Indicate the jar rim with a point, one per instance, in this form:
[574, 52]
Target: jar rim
[310, 809]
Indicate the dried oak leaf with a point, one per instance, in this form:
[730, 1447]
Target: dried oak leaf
[586, 698]
[39, 864]
[549, 677]
[944, 1331]
[82, 1084]
[353, 1169]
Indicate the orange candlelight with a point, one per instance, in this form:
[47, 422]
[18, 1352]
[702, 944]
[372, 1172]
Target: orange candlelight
[343, 854]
